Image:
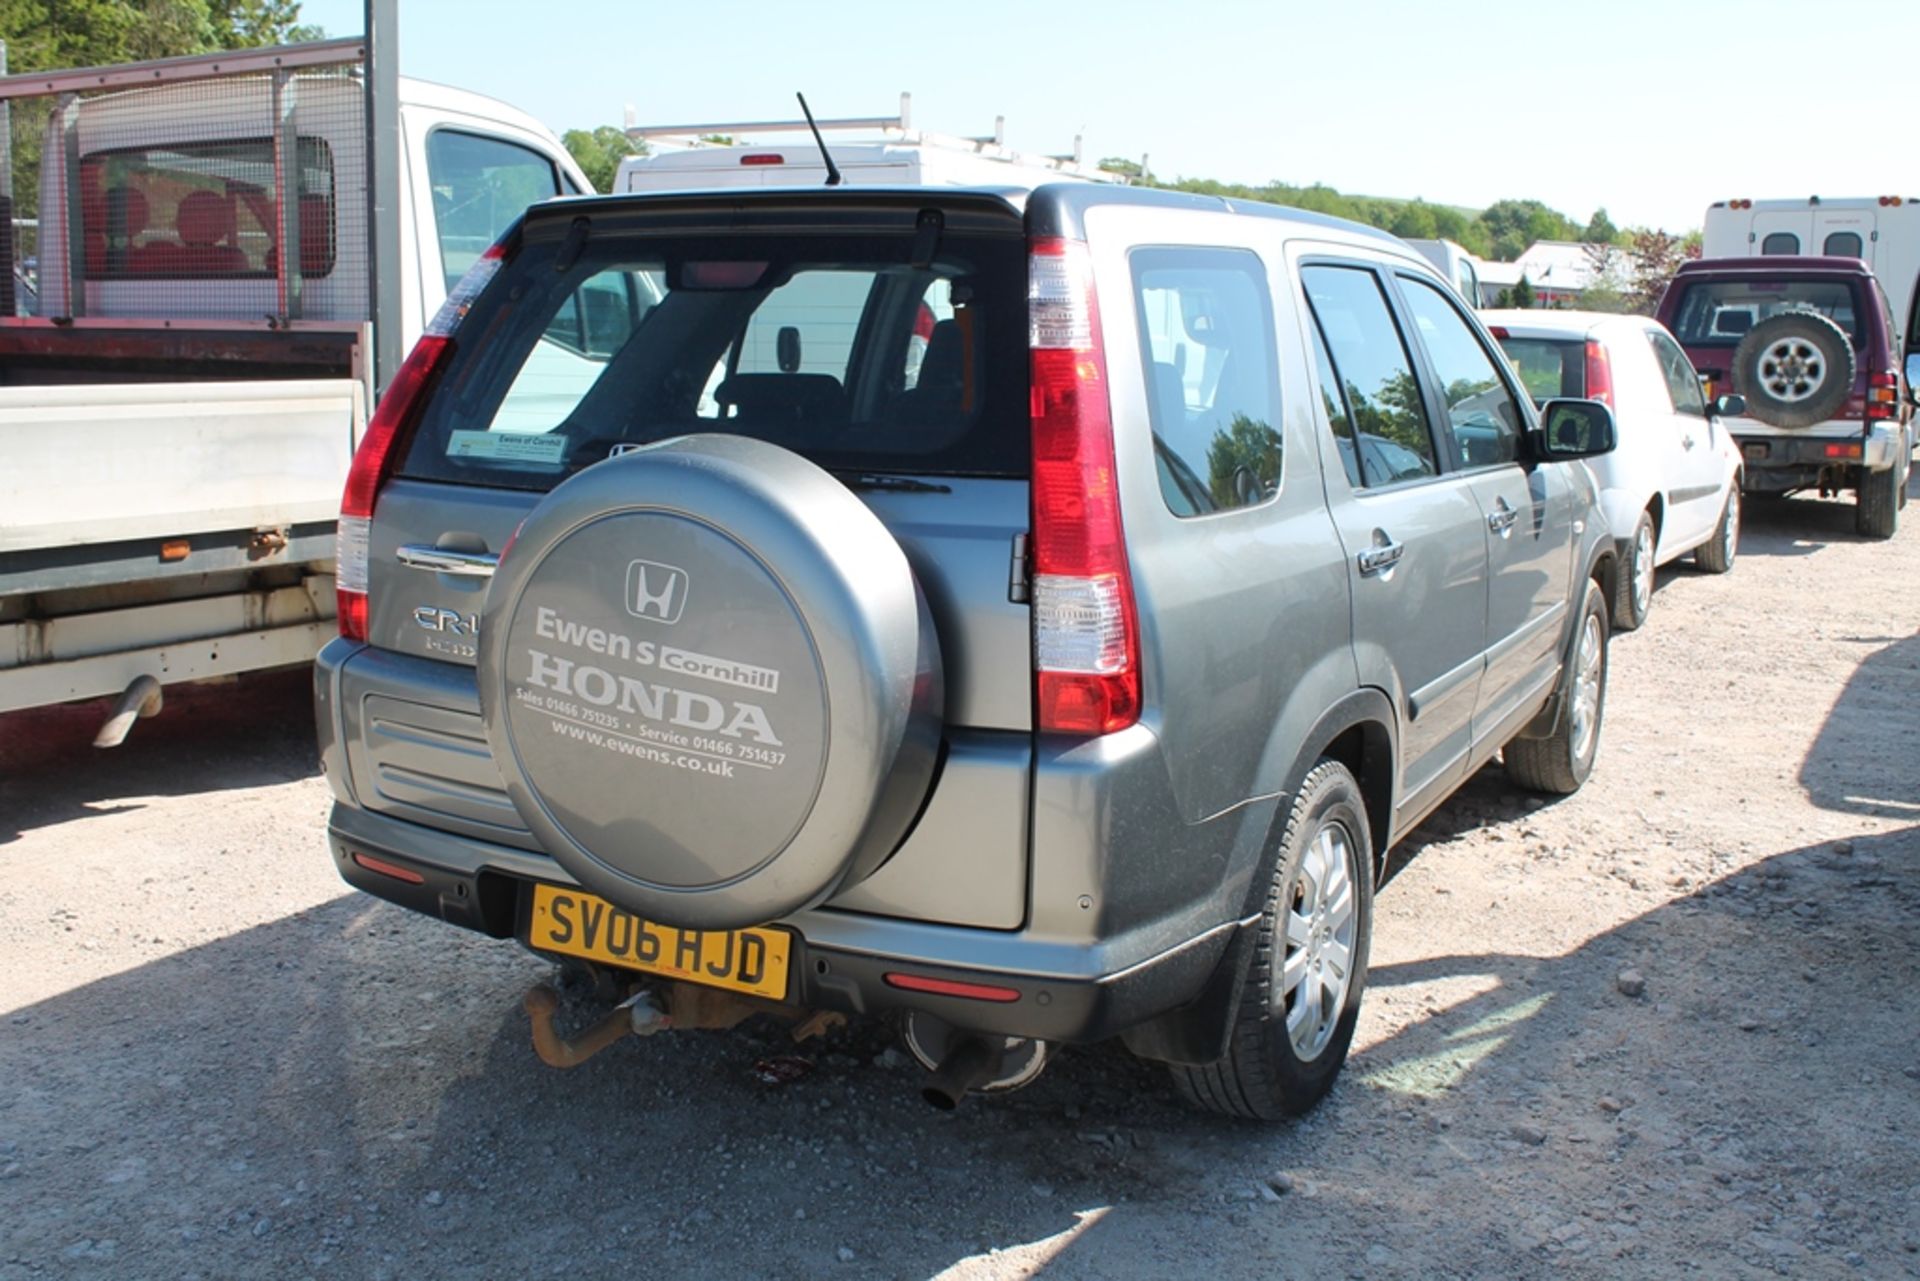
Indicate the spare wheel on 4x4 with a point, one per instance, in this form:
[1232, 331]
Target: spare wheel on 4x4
[1795, 369]
[711, 682]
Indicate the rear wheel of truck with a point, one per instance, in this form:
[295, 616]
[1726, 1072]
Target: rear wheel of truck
[1876, 503]
[1560, 762]
[1715, 556]
[1795, 370]
[1301, 999]
[711, 682]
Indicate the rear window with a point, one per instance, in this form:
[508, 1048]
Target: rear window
[201, 210]
[1548, 367]
[841, 348]
[1718, 313]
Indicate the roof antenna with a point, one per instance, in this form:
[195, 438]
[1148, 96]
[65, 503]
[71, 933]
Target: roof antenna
[833, 172]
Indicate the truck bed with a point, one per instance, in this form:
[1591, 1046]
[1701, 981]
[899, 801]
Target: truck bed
[103, 463]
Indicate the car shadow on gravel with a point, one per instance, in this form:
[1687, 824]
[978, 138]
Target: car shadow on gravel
[1855, 765]
[1804, 524]
[350, 1091]
[212, 737]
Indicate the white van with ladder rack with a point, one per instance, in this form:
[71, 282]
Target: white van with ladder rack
[891, 152]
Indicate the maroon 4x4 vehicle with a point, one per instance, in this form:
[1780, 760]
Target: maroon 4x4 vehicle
[1812, 345]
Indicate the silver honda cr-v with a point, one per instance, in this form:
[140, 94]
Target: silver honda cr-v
[1028, 616]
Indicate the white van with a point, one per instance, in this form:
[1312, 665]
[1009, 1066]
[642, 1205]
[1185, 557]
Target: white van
[892, 154]
[1455, 263]
[1882, 230]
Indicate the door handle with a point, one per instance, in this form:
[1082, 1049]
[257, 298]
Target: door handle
[1501, 519]
[1687, 440]
[442, 561]
[1380, 558]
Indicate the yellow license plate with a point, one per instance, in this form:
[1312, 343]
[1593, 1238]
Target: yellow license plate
[579, 924]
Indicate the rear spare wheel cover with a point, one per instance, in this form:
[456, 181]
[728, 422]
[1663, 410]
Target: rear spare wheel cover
[710, 682]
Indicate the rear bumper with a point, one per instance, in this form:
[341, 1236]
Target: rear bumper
[1878, 448]
[1066, 992]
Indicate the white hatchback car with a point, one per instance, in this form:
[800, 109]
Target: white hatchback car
[1673, 485]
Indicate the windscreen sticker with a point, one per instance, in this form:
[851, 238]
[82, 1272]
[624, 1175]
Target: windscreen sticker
[508, 446]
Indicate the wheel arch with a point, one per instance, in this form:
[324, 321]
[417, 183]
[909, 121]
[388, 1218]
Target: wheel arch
[1361, 732]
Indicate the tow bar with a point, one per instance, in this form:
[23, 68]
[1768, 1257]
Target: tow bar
[687, 1006]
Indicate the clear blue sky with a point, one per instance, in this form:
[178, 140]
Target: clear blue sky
[1652, 108]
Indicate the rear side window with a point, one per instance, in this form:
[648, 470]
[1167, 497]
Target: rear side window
[1213, 393]
[1371, 363]
[1683, 384]
[1548, 367]
[1482, 414]
[480, 185]
[1718, 313]
[838, 347]
[1844, 244]
[201, 210]
[1780, 242]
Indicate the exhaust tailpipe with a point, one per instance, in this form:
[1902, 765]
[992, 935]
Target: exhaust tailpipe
[970, 1063]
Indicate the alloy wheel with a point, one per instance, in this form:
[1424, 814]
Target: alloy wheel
[1586, 687]
[1316, 966]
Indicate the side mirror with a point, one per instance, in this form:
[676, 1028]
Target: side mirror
[1913, 377]
[1729, 406]
[1572, 429]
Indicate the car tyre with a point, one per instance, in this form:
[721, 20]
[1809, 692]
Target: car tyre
[1795, 369]
[1633, 586]
[1301, 998]
[1715, 556]
[1560, 763]
[1876, 503]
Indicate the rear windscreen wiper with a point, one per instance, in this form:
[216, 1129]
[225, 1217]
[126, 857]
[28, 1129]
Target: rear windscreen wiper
[893, 484]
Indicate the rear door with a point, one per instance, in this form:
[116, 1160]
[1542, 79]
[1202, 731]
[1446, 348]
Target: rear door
[1412, 528]
[1527, 510]
[1844, 233]
[651, 326]
[1697, 469]
[1776, 234]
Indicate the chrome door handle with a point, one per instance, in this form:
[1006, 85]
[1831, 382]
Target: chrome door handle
[1379, 558]
[1687, 441]
[1501, 521]
[442, 561]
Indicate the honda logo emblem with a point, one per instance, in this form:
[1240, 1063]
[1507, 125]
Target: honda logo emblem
[656, 591]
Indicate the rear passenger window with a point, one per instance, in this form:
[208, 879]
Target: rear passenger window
[1843, 244]
[1370, 361]
[1780, 242]
[1482, 414]
[1683, 384]
[1213, 393]
[1335, 401]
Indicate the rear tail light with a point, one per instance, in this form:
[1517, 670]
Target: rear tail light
[763, 158]
[1085, 628]
[1883, 395]
[1599, 374]
[387, 438]
[1499, 332]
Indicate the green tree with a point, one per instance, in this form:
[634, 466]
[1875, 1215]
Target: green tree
[1414, 221]
[599, 152]
[45, 34]
[1600, 229]
[1522, 296]
[1123, 166]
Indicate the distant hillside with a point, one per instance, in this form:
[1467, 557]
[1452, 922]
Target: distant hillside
[1502, 231]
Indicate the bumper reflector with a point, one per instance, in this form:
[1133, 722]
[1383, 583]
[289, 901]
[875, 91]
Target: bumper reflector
[947, 987]
[384, 868]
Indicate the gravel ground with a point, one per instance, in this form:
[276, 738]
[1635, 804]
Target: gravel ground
[1666, 1026]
